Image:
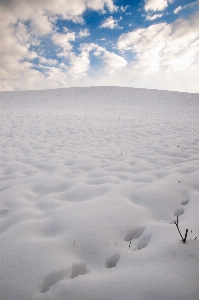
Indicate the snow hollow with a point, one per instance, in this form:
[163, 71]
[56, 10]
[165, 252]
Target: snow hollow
[92, 180]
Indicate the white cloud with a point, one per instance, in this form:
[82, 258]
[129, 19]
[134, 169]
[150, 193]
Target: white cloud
[83, 33]
[167, 55]
[64, 8]
[194, 6]
[14, 52]
[63, 40]
[113, 60]
[40, 24]
[171, 45]
[156, 5]
[177, 9]
[110, 23]
[100, 4]
[110, 60]
[24, 24]
[170, 51]
[49, 62]
[124, 8]
[151, 18]
[79, 65]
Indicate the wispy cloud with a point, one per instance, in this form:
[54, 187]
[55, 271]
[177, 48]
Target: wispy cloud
[37, 52]
[110, 23]
[177, 9]
[153, 17]
[156, 5]
[83, 33]
[173, 45]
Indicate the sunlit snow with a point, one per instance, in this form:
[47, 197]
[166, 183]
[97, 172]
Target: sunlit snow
[92, 180]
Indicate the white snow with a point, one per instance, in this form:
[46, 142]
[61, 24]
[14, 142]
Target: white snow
[92, 180]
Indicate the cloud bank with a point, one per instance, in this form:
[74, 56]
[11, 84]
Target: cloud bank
[35, 54]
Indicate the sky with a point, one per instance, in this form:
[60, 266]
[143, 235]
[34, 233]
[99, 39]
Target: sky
[47, 44]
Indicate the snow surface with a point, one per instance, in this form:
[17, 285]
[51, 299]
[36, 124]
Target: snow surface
[92, 180]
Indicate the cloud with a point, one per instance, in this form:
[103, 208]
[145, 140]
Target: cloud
[63, 40]
[174, 45]
[100, 4]
[110, 23]
[83, 33]
[123, 8]
[25, 24]
[16, 54]
[177, 9]
[36, 55]
[64, 8]
[110, 59]
[42, 14]
[49, 62]
[113, 61]
[164, 52]
[193, 6]
[80, 64]
[156, 5]
[151, 18]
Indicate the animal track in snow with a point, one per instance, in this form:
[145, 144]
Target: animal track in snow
[78, 269]
[185, 202]
[134, 233]
[52, 279]
[4, 212]
[112, 261]
[70, 273]
[137, 233]
[178, 212]
[144, 241]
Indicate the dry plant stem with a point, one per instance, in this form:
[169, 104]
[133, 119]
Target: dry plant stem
[183, 239]
[178, 228]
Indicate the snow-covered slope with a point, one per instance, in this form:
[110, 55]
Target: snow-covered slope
[92, 180]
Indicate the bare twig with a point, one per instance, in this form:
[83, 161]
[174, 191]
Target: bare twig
[178, 228]
[185, 238]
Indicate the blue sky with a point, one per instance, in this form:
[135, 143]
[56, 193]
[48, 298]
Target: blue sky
[64, 43]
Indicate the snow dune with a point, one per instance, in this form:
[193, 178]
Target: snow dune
[92, 180]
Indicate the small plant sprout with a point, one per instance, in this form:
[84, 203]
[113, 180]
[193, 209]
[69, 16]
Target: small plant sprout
[191, 238]
[186, 232]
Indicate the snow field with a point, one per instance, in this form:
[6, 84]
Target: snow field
[92, 180]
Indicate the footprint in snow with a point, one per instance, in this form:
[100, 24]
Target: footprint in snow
[144, 241]
[178, 212]
[137, 233]
[134, 233]
[4, 212]
[112, 261]
[70, 273]
[185, 202]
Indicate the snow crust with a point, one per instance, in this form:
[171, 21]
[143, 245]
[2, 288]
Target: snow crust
[92, 180]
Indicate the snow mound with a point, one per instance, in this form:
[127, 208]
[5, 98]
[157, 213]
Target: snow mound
[92, 180]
